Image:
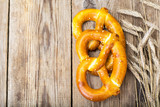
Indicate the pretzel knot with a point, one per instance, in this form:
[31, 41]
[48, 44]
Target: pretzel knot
[101, 17]
[111, 83]
[111, 42]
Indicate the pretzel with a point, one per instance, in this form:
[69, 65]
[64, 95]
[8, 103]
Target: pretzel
[101, 17]
[111, 85]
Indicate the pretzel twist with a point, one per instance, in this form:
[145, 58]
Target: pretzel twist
[101, 17]
[112, 46]
[97, 65]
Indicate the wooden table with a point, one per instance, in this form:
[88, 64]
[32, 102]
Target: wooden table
[38, 60]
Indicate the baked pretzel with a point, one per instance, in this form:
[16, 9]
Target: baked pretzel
[111, 85]
[101, 17]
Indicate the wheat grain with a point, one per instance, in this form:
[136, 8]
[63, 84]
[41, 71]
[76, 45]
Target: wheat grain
[132, 47]
[130, 31]
[153, 5]
[132, 27]
[151, 24]
[146, 37]
[130, 13]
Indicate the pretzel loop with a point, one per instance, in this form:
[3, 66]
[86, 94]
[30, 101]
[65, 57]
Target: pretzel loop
[101, 17]
[107, 90]
[110, 84]
[112, 55]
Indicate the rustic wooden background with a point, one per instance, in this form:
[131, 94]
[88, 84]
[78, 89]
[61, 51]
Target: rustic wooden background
[38, 60]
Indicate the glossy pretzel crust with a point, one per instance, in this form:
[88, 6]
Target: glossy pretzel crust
[97, 65]
[101, 17]
[112, 46]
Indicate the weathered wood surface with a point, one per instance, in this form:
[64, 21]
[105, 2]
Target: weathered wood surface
[38, 58]
[39, 53]
[3, 50]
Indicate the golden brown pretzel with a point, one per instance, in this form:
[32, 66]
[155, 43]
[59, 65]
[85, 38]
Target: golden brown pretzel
[96, 65]
[101, 17]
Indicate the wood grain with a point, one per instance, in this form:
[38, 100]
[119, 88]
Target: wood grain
[40, 53]
[38, 69]
[3, 50]
[127, 94]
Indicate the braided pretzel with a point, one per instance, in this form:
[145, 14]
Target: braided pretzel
[101, 17]
[110, 84]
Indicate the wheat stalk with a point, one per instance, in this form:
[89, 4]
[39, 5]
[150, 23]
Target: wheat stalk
[144, 63]
[153, 5]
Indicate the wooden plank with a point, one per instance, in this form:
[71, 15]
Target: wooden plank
[127, 94]
[3, 50]
[40, 53]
